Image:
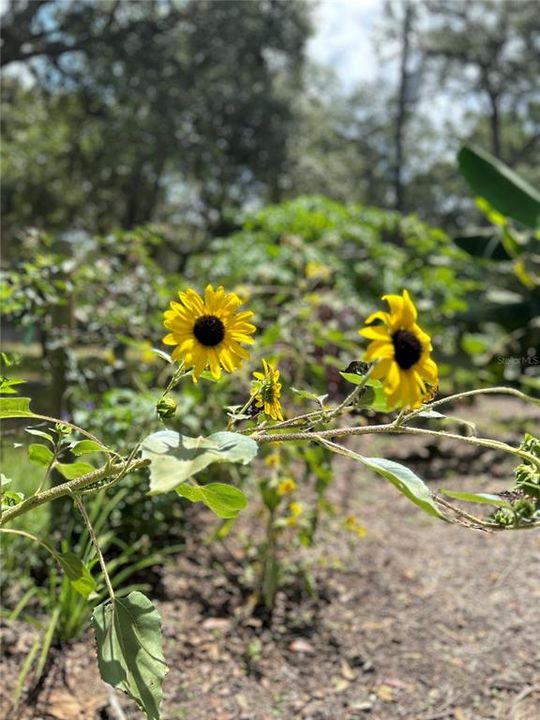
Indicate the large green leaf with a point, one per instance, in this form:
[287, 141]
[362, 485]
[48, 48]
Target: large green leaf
[74, 470]
[504, 190]
[39, 454]
[77, 573]
[225, 501]
[130, 656]
[85, 447]
[406, 481]
[15, 407]
[174, 457]
[400, 476]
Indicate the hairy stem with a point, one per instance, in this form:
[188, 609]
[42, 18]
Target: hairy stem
[73, 486]
[95, 543]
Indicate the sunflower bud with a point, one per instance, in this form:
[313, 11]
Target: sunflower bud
[166, 407]
[504, 516]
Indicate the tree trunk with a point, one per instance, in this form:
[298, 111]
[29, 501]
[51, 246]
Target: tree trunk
[402, 109]
[495, 124]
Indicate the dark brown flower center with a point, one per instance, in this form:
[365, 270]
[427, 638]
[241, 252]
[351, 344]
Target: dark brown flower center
[209, 330]
[407, 348]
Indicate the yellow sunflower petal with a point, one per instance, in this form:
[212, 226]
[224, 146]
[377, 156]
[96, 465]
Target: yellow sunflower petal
[376, 332]
[381, 369]
[408, 312]
[393, 377]
[396, 306]
[379, 315]
[429, 371]
[379, 349]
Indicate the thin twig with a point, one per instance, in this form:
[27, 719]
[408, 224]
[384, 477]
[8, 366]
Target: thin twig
[95, 543]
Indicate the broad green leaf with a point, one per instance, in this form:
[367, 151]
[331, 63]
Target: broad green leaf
[40, 455]
[174, 457]
[400, 476]
[15, 407]
[85, 447]
[225, 501]
[130, 656]
[356, 379]
[406, 481]
[380, 403]
[77, 573]
[500, 186]
[74, 470]
[488, 498]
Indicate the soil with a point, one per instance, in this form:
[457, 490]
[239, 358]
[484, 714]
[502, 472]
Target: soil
[419, 619]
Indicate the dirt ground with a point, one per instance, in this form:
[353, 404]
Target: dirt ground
[418, 620]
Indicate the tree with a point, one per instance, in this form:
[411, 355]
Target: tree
[489, 51]
[150, 95]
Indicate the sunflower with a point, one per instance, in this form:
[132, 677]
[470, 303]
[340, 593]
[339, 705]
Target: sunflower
[267, 390]
[402, 351]
[208, 331]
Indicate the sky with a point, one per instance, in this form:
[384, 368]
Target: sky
[343, 38]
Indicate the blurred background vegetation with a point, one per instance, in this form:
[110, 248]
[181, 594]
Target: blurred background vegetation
[149, 146]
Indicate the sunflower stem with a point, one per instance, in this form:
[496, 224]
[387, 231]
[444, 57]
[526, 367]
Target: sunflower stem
[500, 390]
[351, 397]
[242, 410]
[95, 543]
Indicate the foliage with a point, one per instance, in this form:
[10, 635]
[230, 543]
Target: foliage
[190, 93]
[506, 336]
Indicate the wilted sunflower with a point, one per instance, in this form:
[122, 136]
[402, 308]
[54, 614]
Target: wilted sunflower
[402, 350]
[267, 390]
[208, 331]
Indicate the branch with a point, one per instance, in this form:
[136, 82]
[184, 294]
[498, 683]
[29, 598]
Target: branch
[73, 486]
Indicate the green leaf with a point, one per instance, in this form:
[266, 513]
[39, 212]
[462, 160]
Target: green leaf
[356, 379]
[7, 385]
[40, 455]
[400, 476]
[487, 498]
[130, 656]
[380, 402]
[40, 433]
[85, 447]
[308, 395]
[175, 458]
[406, 481]
[15, 407]
[225, 501]
[500, 186]
[10, 498]
[77, 573]
[74, 470]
